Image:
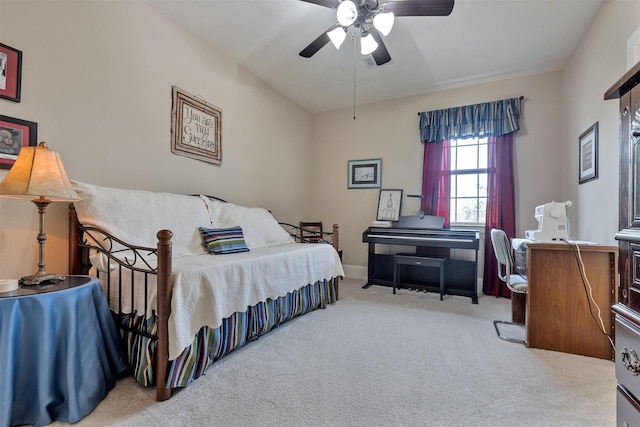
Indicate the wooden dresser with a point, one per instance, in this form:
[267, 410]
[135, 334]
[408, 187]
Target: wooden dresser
[627, 309]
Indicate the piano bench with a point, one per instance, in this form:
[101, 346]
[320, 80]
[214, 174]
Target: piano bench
[417, 261]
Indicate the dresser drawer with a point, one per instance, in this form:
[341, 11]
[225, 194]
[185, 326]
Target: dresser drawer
[627, 409]
[628, 355]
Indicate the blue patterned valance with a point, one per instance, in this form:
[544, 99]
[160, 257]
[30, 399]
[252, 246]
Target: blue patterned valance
[478, 120]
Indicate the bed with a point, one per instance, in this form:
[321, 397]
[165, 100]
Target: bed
[180, 306]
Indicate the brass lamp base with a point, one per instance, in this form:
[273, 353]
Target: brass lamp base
[41, 278]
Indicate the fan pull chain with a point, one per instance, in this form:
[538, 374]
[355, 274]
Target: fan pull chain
[355, 55]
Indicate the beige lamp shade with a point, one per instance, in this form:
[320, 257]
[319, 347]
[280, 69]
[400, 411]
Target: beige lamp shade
[38, 173]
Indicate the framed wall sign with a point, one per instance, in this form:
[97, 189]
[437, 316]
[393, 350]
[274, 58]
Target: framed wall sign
[588, 154]
[10, 73]
[15, 134]
[196, 128]
[365, 173]
[389, 204]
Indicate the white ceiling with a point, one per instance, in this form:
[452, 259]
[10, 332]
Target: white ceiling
[482, 40]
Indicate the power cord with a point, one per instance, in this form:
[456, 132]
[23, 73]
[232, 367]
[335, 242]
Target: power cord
[588, 290]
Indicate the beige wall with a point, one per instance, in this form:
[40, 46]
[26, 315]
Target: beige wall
[599, 61]
[389, 131]
[97, 79]
[558, 107]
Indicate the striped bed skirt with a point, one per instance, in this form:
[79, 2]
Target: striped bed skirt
[210, 344]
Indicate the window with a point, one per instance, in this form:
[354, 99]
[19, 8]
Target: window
[468, 202]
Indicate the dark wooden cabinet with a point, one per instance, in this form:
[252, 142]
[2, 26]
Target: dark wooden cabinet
[627, 309]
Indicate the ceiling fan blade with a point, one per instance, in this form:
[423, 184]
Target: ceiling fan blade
[316, 45]
[381, 54]
[419, 7]
[327, 3]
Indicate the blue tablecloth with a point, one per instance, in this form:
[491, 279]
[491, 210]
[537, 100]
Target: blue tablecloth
[59, 352]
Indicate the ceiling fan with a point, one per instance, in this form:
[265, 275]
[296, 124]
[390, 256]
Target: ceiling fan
[372, 19]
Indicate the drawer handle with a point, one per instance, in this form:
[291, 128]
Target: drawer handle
[630, 360]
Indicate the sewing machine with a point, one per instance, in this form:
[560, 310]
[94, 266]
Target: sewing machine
[552, 222]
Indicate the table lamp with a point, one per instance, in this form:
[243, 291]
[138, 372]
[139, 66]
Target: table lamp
[38, 175]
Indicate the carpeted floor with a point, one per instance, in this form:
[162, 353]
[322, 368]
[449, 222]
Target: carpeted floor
[378, 359]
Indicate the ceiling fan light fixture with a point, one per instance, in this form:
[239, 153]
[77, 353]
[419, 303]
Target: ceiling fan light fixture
[383, 22]
[368, 44]
[337, 36]
[347, 13]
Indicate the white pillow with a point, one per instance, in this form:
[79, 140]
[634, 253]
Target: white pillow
[260, 228]
[136, 216]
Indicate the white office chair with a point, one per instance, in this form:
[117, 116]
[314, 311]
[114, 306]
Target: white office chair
[516, 283]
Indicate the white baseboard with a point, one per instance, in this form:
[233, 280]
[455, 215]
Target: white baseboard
[358, 272]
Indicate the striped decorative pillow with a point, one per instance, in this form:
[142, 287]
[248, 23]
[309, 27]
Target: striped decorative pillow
[223, 240]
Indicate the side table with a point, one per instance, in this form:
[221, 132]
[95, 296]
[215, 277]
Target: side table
[59, 352]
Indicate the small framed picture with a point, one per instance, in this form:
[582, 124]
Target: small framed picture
[365, 173]
[389, 205]
[10, 73]
[196, 128]
[15, 134]
[588, 154]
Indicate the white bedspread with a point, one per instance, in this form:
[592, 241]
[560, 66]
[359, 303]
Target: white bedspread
[208, 288]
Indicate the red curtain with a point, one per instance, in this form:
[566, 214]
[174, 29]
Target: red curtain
[500, 208]
[436, 180]
[436, 187]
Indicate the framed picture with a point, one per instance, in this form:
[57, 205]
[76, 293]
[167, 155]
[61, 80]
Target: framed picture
[588, 154]
[10, 73]
[15, 134]
[365, 173]
[389, 205]
[196, 128]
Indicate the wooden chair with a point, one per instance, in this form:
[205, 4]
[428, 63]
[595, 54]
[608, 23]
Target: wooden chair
[311, 232]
